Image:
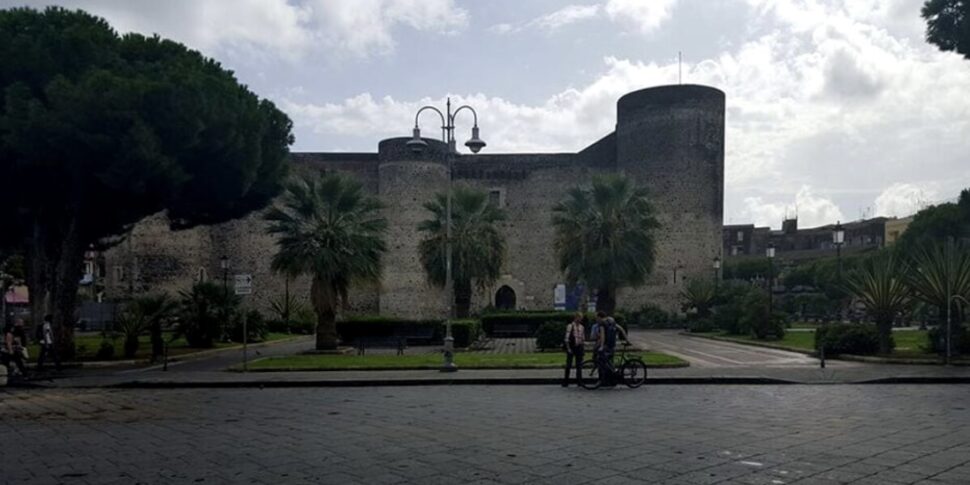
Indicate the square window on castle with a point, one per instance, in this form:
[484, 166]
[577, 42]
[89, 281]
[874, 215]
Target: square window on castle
[496, 197]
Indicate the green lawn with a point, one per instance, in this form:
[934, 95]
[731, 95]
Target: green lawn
[909, 343]
[464, 360]
[87, 346]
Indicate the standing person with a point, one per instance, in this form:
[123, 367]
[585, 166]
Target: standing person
[14, 346]
[606, 344]
[46, 340]
[574, 341]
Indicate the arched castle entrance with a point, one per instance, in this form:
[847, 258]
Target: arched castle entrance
[505, 298]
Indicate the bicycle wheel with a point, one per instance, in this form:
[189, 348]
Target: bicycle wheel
[634, 373]
[590, 375]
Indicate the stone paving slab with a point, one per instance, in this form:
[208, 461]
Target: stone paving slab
[490, 434]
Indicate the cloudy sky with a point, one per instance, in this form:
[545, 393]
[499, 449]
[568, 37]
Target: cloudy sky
[836, 108]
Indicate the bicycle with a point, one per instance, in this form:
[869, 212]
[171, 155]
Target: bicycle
[631, 371]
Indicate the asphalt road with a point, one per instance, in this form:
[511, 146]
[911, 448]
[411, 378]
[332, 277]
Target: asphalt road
[705, 353]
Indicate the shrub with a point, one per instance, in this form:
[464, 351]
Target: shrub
[106, 351]
[936, 339]
[754, 318]
[205, 309]
[844, 338]
[550, 335]
[256, 327]
[465, 332]
[652, 316]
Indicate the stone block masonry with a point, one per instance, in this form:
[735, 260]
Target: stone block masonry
[668, 138]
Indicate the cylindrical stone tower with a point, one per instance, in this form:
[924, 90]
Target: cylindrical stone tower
[671, 140]
[407, 181]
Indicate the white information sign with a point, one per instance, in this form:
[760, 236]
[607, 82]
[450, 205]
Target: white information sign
[243, 284]
[559, 297]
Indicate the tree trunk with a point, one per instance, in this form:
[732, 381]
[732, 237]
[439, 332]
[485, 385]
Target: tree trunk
[885, 330]
[606, 300]
[38, 275]
[324, 298]
[157, 343]
[67, 274]
[463, 298]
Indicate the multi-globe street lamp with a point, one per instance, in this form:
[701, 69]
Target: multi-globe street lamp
[475, 144]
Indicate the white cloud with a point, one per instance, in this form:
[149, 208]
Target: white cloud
[363, 27]
[643, 15]
[279, 28]
[903, 199]
[565, 16]
[811, 210]
[567, 121]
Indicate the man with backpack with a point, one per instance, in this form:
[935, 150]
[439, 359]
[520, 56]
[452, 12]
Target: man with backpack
[606, 343]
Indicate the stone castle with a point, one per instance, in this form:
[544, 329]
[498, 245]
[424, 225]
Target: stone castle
[668, 138]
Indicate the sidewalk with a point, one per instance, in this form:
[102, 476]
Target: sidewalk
[862, 373]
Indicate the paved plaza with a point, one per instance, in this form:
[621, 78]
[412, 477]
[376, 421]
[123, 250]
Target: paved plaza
[865, 434]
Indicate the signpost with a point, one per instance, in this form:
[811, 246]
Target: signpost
[243, 285]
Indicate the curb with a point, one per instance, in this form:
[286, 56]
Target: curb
[238, 368]
[499, 381]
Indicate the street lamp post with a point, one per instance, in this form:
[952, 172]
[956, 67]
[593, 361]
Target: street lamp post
[224, 264]
[838, 238]
[417, 145]
[770, 253]
[717, 269]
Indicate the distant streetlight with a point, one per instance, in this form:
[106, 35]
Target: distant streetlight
[717, 268]
[224, 264]
[475, 144]
[770, 253]
[838, 238]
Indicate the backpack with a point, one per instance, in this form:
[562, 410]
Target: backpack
[609, 337]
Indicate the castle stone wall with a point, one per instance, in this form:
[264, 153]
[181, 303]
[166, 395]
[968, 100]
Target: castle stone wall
[669, 138]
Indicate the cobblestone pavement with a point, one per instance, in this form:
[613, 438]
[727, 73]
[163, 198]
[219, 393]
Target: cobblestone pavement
[875, 434]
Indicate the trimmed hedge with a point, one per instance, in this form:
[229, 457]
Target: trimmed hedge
[550, 335]
[845, 338]
[464, 331]
[534, 320]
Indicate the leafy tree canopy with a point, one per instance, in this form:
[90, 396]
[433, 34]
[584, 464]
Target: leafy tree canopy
[948, 25]
[937, 223]
[605, 236]
[98, 131]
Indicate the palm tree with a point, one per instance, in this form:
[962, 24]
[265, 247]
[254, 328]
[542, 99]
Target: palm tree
[147, 313]
[331, 230]
[605, 236]
[942, 271]
[699, 294]
[158, 310]
[880, 285]
[478, 247]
